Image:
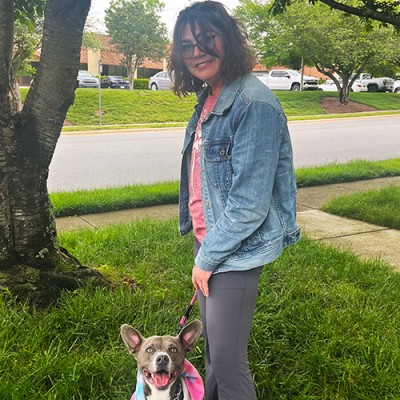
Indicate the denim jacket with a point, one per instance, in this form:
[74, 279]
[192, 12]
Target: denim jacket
[247, 178]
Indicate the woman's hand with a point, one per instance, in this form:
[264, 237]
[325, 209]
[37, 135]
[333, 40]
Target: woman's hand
[200, 279]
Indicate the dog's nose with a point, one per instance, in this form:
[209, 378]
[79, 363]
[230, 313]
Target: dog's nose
[162, 360]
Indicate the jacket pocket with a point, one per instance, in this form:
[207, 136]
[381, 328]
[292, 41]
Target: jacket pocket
[218, 164]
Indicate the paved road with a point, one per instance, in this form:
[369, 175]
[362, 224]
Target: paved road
[369, 138]
[113, 159]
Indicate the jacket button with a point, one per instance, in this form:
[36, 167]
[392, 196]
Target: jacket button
[222, 152]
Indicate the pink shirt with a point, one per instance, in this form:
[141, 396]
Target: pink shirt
[195, 199]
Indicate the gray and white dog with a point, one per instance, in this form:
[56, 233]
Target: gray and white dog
[163, 371]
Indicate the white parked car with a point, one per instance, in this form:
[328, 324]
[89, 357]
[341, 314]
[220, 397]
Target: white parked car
[287, 79]
[160, 81]
[396, 87]
[87, 80]
[330, 86]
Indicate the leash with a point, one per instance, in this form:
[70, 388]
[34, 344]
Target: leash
[186, 315]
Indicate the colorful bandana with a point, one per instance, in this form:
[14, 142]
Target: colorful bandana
[191, 377]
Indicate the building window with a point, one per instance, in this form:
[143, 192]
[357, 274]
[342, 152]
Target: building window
[145, 73]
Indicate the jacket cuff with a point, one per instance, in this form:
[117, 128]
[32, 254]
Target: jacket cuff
[204, 264]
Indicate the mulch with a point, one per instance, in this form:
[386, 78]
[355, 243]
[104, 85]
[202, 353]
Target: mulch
[331, 105]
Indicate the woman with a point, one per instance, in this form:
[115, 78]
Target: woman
[238, 190]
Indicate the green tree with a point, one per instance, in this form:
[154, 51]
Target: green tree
[385, 11]
[278, 40]
[137, 31]
[91, 36]
[27, 39]
[337, 44]
[30, 257]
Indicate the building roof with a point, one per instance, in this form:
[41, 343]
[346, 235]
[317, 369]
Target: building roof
[111, 56]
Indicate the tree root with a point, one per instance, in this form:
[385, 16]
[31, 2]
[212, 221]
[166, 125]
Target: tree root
[42, 286]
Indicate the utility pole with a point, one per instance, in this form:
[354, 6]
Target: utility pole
[100, 70]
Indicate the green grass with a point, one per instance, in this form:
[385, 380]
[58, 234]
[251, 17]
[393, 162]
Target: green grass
[380, 207]
[348, 172]
[145, 107]
[129, 107]
[113, 199]
[307, 103]
[387, 101]
[326, 324]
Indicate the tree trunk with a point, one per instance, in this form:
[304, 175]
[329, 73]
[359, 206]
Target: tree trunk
[344, 94]
[28, 137]
[347, 82]
[131, 73]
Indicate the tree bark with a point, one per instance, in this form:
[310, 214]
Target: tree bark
[344, 95]
[28, 137]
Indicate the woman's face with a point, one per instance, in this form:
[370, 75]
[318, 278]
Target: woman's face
[200, 64]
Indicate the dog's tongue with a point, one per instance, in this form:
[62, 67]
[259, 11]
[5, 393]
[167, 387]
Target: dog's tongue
[161, 378]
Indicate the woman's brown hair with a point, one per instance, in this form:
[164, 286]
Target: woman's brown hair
[210, 16]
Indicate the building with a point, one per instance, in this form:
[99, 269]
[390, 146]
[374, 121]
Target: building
[112, 61]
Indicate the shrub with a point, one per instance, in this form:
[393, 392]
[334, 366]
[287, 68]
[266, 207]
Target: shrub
[141, 84]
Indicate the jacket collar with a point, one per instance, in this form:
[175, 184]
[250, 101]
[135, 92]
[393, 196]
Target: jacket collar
[226, 98]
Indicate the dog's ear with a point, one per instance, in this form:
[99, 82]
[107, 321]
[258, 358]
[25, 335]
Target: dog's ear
[132, 338]
[189, 335]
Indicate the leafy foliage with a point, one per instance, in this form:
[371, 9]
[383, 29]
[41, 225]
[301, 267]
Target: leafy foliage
[28, 27]
[26, 11]
[91, 35]
[27, 37]
[338, 44]
[137, 31]
[385, 11]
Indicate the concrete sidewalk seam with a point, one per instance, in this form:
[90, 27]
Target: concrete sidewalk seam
[87, 222]
[352, 234]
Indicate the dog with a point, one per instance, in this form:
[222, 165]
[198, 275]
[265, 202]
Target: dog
[163, 371]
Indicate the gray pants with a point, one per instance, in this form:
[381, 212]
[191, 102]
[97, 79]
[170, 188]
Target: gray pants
[227, 315]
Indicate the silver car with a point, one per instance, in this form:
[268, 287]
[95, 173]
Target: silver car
[87, 80]
[160, 81]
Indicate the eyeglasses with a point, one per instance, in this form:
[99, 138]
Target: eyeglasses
[205, 46]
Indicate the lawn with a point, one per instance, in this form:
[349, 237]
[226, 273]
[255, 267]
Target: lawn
[380, 207]
[326, 324]
[146, 107]
[102, 200]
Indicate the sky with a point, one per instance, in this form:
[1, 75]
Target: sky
[169, 15]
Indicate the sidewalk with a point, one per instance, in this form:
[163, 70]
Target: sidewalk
[366, 240]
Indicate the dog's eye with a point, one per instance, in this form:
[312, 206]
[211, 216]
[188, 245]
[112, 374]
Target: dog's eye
[149, 350]
[173, 349]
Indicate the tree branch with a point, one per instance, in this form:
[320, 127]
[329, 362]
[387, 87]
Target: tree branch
[365, 12]
[52, 92]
